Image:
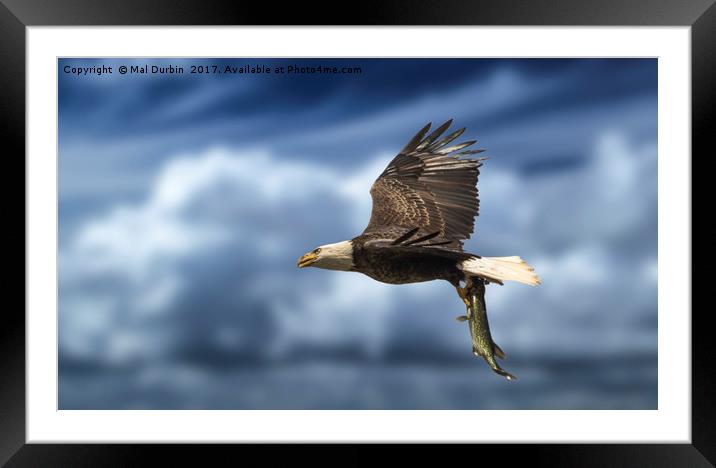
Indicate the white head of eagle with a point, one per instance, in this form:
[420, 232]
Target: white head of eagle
[338, 256]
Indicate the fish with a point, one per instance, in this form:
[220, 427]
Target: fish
[482, 343]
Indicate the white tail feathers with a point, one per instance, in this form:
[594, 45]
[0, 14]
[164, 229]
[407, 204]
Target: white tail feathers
[501, 269]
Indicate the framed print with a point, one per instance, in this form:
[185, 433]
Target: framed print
[234, 224]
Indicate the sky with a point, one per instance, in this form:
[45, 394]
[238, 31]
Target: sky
[186, 199]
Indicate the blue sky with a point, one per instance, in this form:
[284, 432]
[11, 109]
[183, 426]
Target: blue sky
[186, 200]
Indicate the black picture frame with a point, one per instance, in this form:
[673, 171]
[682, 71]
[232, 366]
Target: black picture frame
[16, 15]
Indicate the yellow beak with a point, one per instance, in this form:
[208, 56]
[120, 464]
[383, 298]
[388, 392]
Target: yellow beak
[307, 260]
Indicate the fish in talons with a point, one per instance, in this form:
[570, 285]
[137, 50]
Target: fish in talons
[482, 343]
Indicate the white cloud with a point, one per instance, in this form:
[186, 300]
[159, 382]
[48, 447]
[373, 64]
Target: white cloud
[350, 309]
[141, 245]
[569, 226]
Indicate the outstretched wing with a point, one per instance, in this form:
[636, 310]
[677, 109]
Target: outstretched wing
[429, 185]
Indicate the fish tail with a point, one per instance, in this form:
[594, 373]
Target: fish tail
[499, 370]
[504, 373]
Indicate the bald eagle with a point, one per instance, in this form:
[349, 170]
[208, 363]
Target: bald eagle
[424, 206]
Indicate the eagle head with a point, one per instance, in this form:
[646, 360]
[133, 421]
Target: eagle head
[338, 256]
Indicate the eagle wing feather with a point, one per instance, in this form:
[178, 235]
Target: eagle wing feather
[431, 186]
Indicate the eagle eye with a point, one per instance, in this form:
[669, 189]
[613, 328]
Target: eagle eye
[317, 251]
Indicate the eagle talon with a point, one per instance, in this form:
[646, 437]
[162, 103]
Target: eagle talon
[463, 293]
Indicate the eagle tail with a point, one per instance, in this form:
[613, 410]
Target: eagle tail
[499, 269]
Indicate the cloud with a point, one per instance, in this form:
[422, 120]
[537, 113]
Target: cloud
[591, 236]
[134, 263]
[207, 261]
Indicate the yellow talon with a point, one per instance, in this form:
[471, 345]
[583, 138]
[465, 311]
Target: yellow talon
[462, 292]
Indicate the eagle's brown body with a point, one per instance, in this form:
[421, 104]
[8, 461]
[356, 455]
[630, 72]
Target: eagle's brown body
[396, 265]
